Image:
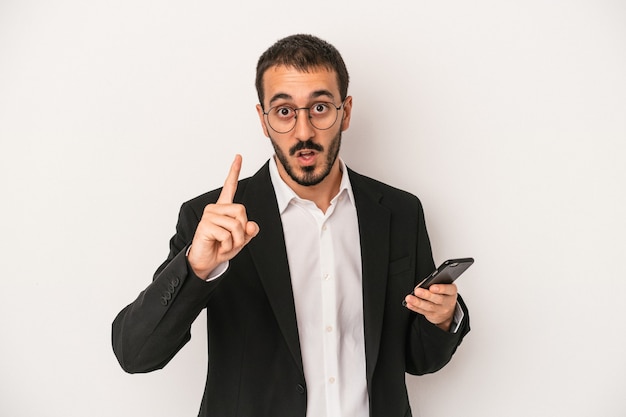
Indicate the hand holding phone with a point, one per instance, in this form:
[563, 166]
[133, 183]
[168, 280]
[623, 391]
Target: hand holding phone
[438, 307]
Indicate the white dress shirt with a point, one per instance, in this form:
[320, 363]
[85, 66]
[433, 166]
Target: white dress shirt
[324, 254]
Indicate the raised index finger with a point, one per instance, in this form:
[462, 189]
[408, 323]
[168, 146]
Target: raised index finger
[230, 185]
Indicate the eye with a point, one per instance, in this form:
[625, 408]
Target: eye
[319, 109]
[284, 112]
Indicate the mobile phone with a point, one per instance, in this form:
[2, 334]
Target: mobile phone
[447, 272]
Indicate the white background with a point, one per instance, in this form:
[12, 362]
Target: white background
[507, 118]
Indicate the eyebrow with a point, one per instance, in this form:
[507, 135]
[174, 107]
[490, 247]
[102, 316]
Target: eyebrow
[313, 95]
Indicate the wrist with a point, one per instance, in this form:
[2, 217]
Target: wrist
[200, 272]
[445, 326]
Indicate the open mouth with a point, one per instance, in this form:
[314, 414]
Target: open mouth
[306, 157]
[306, 154]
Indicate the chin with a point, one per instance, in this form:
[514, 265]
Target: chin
[310, 176]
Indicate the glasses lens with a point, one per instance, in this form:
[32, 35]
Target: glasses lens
[281, 118]
[323, 115]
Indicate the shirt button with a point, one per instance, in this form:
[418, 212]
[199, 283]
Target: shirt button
[326, 277]
[324, 228]
[331, 380]
[329, 329]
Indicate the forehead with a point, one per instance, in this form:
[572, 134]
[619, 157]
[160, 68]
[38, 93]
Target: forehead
[297, 85]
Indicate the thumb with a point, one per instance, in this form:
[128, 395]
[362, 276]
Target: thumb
[252, 229]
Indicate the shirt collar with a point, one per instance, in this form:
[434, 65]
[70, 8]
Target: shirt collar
[284, 193]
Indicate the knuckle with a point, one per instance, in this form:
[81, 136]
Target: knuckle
[240, 210]
[208, 209]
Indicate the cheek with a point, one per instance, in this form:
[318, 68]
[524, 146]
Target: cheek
[277, 148]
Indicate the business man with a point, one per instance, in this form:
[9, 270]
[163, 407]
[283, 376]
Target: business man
[307, 270]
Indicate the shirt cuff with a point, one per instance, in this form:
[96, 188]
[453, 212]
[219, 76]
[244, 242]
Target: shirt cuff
[457, 319]
[219, 271]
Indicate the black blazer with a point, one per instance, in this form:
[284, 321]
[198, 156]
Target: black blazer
[255, 366]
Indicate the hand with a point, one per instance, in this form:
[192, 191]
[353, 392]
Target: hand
[437, 303]
[223, 230]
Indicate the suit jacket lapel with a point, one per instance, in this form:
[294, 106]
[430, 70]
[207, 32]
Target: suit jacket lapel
[270, 256]
[374, 232]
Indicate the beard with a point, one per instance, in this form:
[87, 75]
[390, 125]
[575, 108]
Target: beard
[308, 177]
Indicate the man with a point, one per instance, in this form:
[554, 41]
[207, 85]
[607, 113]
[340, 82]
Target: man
[307, 269]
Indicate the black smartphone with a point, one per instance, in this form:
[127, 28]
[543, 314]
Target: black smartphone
[447, 272]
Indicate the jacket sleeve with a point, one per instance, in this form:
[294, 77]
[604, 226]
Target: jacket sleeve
[429, 348]
[147, 333]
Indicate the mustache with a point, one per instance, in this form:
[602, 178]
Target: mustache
[308, 144]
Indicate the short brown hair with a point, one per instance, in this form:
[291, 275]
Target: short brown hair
[302, 52]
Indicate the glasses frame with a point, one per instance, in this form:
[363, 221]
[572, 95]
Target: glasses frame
[308, 109]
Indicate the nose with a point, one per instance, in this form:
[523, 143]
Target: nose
[303, 130]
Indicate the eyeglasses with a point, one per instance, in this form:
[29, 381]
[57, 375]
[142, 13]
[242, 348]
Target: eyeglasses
[322, 115]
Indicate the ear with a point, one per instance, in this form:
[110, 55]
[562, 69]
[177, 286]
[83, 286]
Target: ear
[347, 112]
[259, 111]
